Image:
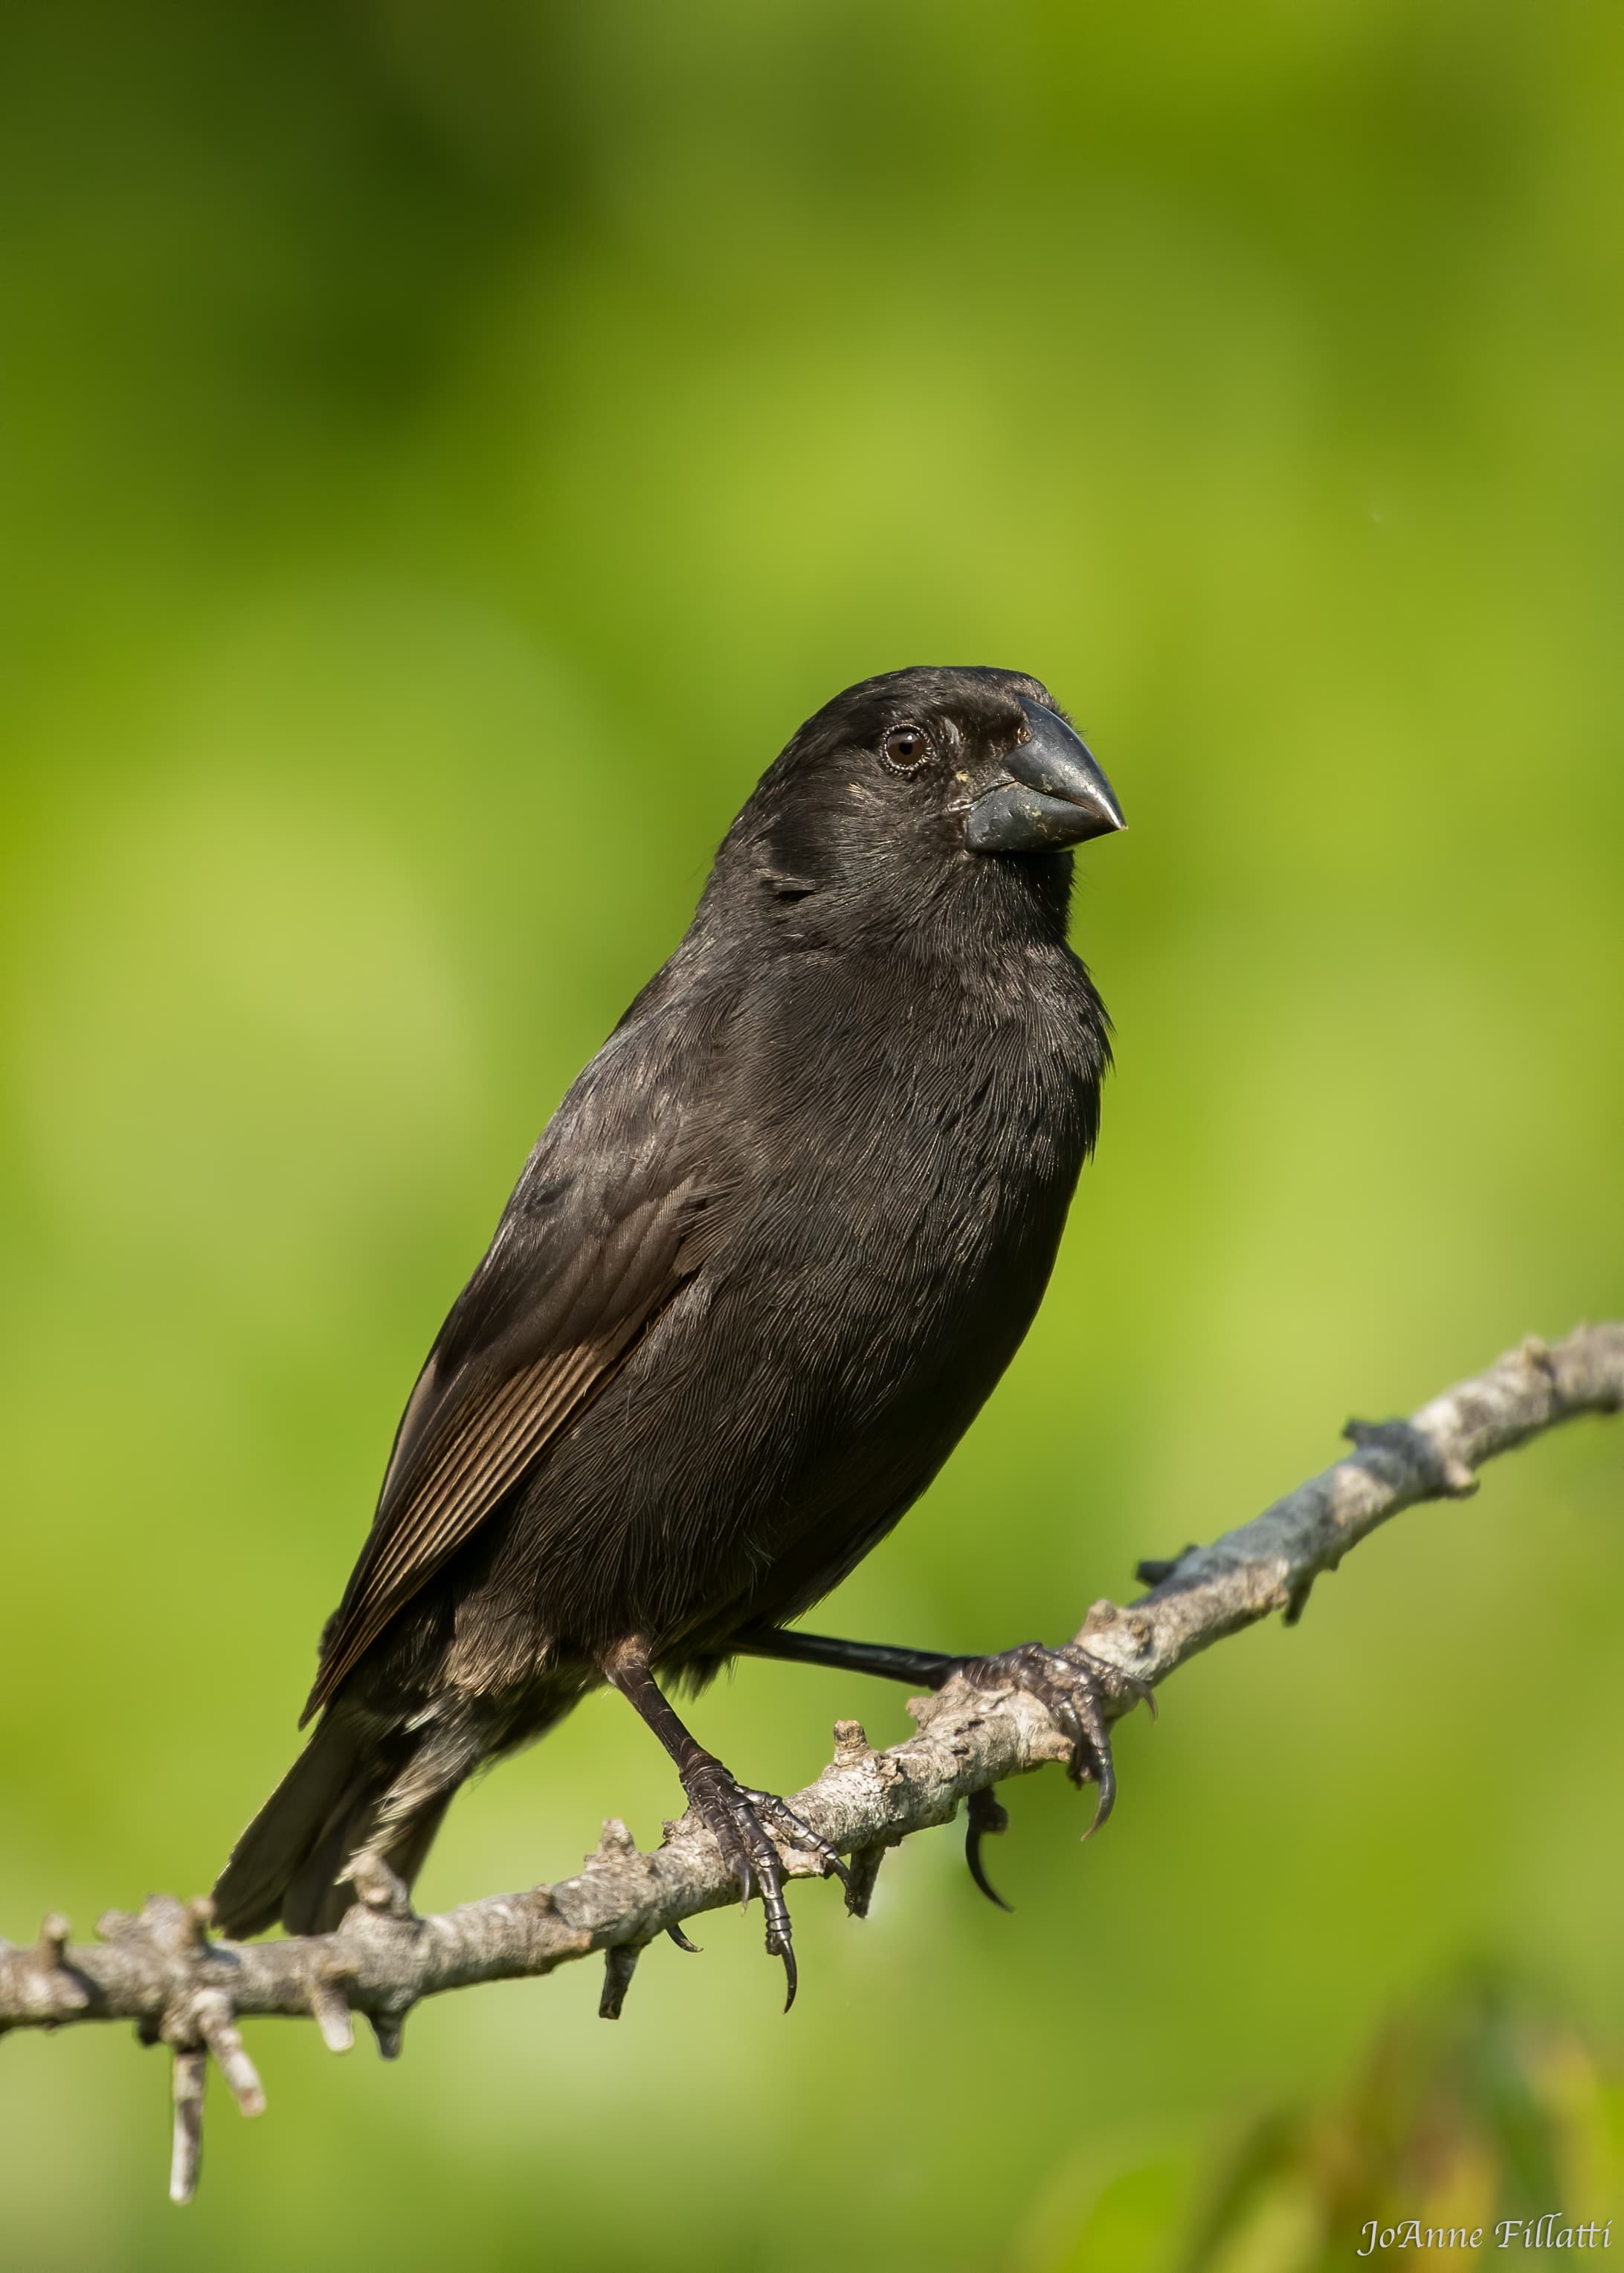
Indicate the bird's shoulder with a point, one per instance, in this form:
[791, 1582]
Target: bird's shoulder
[616, 1185]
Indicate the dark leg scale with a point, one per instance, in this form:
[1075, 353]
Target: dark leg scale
[739, 1820]
[742, 1823]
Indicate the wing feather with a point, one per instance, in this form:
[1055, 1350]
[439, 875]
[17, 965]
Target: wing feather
[540, 1329]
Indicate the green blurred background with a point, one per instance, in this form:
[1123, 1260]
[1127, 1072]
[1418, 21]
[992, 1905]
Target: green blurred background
[448, 451]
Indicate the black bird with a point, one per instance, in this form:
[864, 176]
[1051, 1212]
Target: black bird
[765, 1263]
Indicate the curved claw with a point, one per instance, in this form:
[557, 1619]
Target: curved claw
[1091, 1760]
[792, 1975]
[1074, 1688]
[743, 1823]
[1105, 1776]
[984, 1813]
[682, 1941]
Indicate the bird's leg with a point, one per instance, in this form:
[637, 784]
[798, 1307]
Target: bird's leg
[929, 1668]
[741, 1821]
[1073, 1686]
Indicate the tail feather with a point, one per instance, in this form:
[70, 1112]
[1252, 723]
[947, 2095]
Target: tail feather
[332, 1802]
[317, 1894]
[362, 1782]
[249, 1893]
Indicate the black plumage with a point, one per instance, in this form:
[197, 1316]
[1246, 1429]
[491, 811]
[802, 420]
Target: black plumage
[765, 1264]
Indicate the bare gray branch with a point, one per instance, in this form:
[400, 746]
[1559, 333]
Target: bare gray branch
[162, 1971]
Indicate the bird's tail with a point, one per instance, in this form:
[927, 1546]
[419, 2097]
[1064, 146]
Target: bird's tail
[353, 1786]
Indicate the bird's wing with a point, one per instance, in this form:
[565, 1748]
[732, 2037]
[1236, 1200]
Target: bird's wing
[587, 1256]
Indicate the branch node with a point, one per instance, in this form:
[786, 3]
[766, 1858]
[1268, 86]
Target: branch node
[1408, 1449]
[379, 1887]
[186, 2155]
[330, 2008]
[388, 2028]
[58, 1993]
[212, 2016]
[1297, 1602]
[852, 1745]
[1155, 1571]
[620, 1963]
[616, 1840]
[863, 1872]
[170, 1926]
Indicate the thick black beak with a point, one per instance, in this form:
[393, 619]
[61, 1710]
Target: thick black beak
[1051, 793]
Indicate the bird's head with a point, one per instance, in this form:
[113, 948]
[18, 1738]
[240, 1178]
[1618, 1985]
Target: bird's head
[953, 767]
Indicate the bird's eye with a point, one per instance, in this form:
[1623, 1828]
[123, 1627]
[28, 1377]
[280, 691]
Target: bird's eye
[905, 747]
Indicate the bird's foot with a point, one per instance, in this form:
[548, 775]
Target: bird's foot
[745, 1824]
[1075, 1689]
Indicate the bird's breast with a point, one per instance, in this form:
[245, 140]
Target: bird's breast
[911, 1164]
[894, 1169]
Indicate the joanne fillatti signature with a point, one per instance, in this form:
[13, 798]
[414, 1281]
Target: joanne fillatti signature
[1551, 2232]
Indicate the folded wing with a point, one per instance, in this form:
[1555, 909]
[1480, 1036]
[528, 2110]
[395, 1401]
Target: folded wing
[587, 1256]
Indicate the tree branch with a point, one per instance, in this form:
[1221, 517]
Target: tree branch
[161, 1970]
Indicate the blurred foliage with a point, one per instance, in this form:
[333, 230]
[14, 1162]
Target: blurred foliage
[445, 453]
[1473, 2114]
